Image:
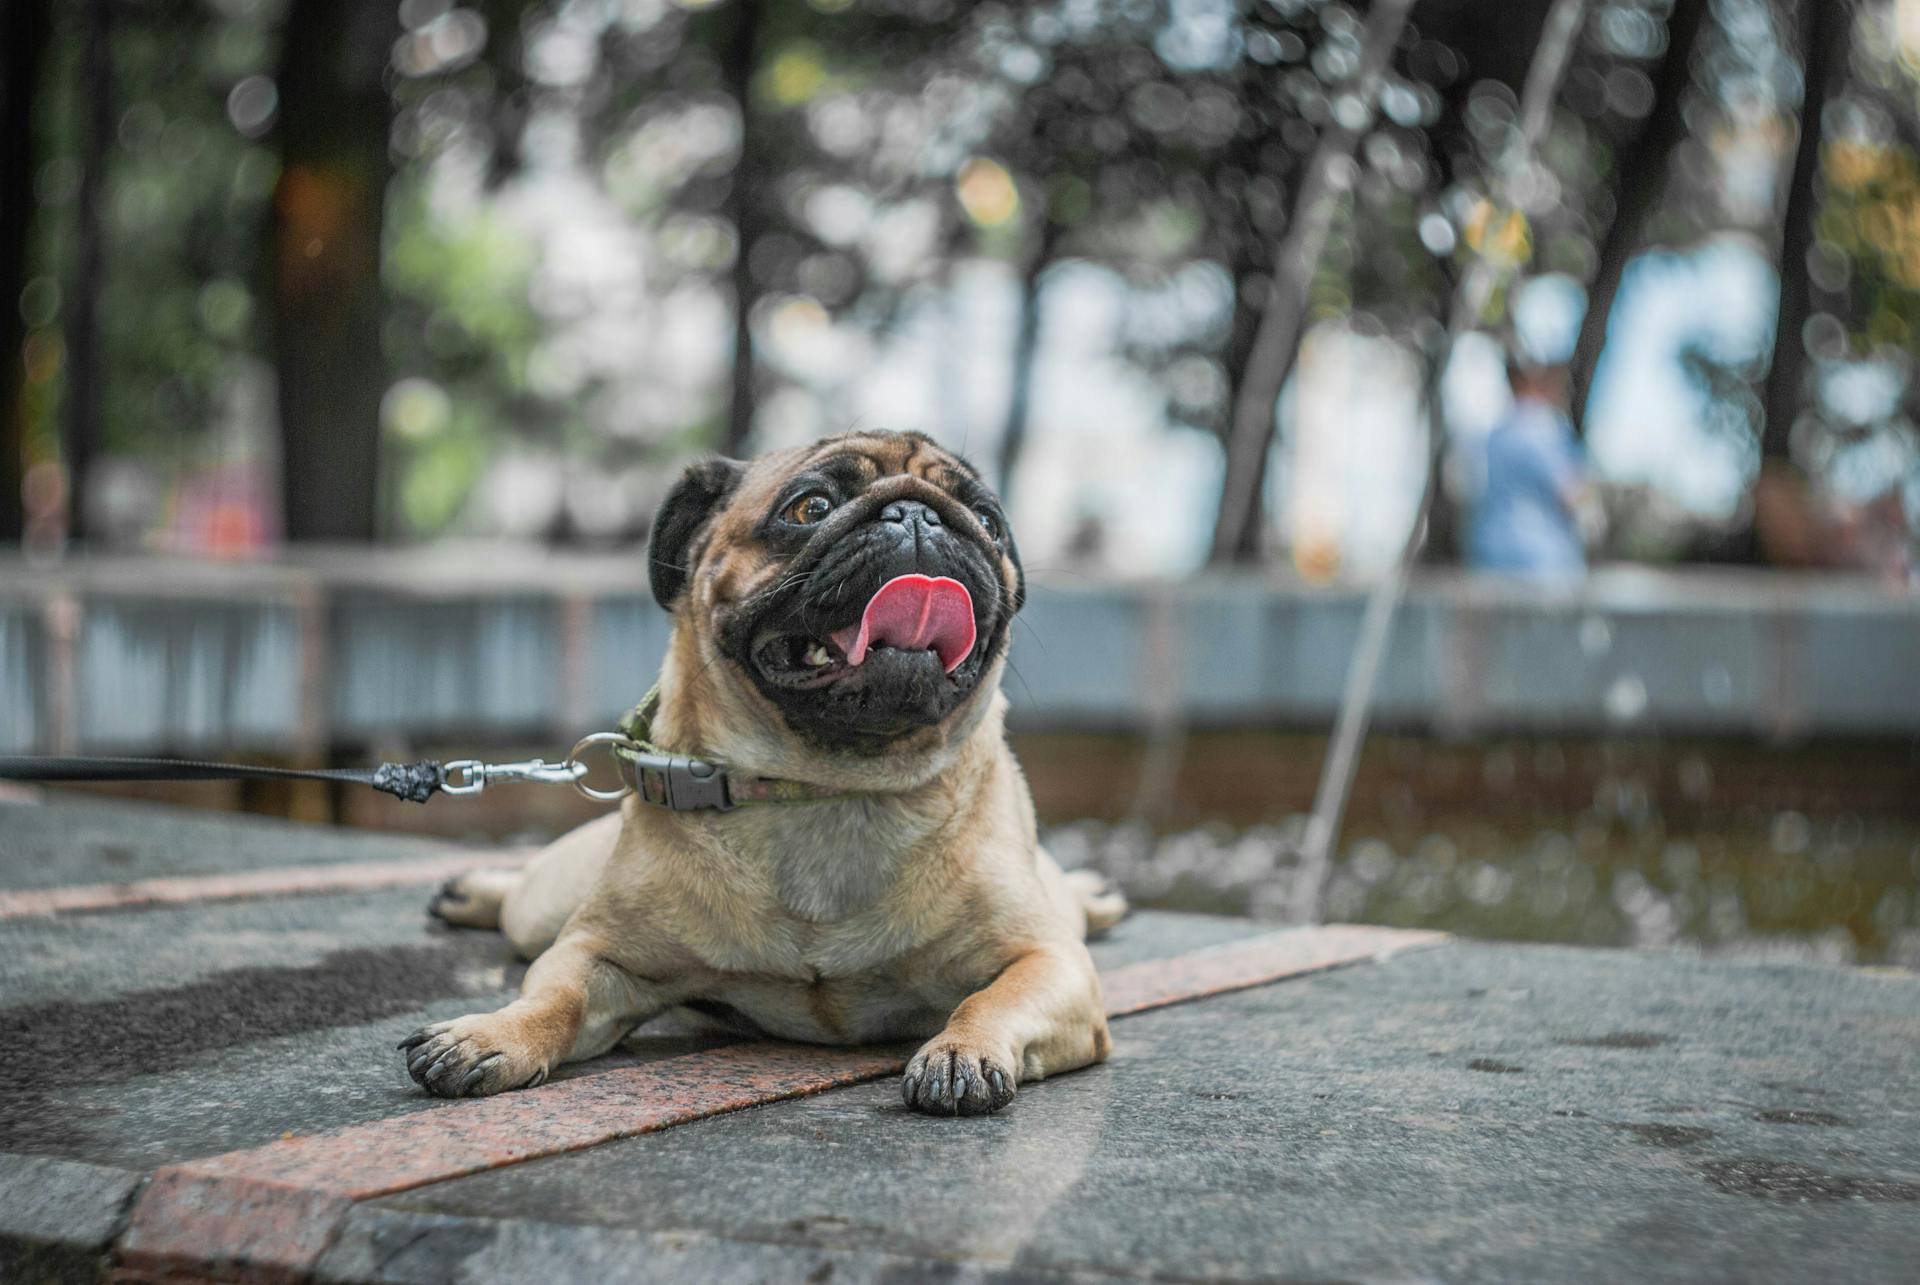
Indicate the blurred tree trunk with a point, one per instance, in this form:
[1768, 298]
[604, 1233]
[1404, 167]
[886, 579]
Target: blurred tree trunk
[1442, 542]
[86, 366]
[25, 29]
[1824, 29]
[744, 211]
[1641, 170]
[505, 58]
[1013, 437]
[335, 119]
[1276, 342]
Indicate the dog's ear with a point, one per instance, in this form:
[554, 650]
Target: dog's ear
[700, 491]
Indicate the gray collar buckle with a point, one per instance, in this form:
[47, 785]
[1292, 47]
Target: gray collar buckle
[679, 783]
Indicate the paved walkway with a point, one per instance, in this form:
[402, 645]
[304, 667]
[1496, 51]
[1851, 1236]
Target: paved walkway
[204, 1083]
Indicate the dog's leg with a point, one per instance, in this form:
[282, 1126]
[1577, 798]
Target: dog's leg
[1099, 902]
[473, 899]
[1083, 895]
[1043, 1014]
[574, 1004]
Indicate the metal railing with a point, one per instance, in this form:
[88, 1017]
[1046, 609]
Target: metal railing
[339, 648]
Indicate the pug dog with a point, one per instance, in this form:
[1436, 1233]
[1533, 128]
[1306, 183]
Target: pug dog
[841, 617]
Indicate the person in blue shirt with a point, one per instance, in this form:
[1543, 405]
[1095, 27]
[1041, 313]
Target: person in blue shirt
[1536, 499]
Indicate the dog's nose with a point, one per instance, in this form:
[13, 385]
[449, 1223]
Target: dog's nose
[906, 511]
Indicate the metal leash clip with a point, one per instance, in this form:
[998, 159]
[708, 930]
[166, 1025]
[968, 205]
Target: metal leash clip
[616, 742]
[674, 781]
[470, 776]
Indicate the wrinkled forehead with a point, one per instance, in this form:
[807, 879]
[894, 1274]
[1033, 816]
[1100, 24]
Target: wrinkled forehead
[857, 461]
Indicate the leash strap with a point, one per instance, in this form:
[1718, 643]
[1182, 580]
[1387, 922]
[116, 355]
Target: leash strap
[414, 782]
[677, 782]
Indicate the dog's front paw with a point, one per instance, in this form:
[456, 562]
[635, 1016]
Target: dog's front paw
[952, 1076]
[469, 1057]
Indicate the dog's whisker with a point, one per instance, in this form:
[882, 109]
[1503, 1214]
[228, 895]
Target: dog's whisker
[1015, 671]
[1033, 633]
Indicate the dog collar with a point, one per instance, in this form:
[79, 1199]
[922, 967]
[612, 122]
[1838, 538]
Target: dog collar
[685, 783]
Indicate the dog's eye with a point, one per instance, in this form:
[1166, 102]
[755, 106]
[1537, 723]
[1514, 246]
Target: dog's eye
[808, 509]
[989, 521]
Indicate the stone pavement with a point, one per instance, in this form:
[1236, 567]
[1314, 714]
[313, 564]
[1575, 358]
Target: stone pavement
[204, 1084]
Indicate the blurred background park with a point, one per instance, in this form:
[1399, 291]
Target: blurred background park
[349, 346]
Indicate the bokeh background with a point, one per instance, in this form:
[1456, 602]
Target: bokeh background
[349, 346]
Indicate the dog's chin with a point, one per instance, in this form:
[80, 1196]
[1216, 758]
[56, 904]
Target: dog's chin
[868, 707]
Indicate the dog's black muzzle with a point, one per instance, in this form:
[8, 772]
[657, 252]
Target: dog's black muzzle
[783, 636]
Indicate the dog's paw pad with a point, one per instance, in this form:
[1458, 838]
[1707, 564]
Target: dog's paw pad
[459, 1060]
[947, 1078]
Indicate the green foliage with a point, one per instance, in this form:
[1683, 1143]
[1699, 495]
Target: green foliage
[1163, 140]
[461, 328]
[185, 200]
[1872, 218]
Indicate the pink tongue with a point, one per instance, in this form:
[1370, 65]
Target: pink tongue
[914, 613]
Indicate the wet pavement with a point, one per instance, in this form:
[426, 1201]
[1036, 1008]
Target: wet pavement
[1461, 1111]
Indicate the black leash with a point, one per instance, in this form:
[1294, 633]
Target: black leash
[677, 782]
[414, 782]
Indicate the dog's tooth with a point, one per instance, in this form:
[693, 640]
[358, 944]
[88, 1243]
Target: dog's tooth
[817, 656]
